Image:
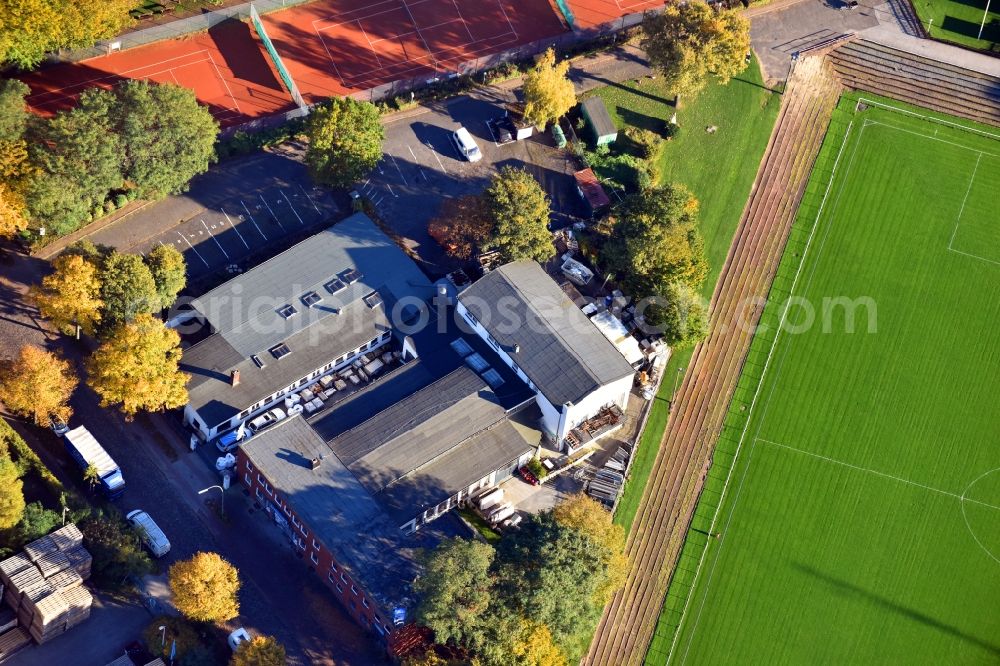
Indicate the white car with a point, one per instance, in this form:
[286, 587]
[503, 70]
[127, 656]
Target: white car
[151, 534]
[268, 418]
[466, 145]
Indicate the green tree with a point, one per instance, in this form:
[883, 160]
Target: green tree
[13, 109]
[455, 590]
[589, 517]
[548, 92]
[137, 368]
[79, 160]
[91, 476]
[36, 522]
[688, 42]
[179, 635]
[128, 289]
[31, 28]
[169, 272]
[167, 137]
[38, 384]
[114, 545]
[680, 314]
[71, 295]
[259, 651]
[345, 141]
[655, 241]
[205, 588]
[11, 493]
[519, 210]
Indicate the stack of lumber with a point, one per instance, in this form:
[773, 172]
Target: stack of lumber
[67, 537]
[8, 568]
[65, 580]
[48, 617]
[78, 601]
[12, 641]
[39, 548]
[80, 560]
[52, 563]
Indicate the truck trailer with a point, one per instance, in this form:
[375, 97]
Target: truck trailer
[86, 451]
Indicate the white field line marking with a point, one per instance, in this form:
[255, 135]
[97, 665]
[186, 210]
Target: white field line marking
[311, 199]
[868, 470]
[931, 137]
[417, 162]
[928, 118]
[746, 425]
[195, 249]
[273, 216]
[966, 517]
[250, 215]
[974, 256]
[420, 34]
[234, 228]
[214, 238]
[958, 220]
[396, 164]
[329, 55]
[293, 208]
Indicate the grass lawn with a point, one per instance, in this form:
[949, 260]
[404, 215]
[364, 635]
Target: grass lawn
[959, 21]
[862, 521]
[492, 536]
[719, 168]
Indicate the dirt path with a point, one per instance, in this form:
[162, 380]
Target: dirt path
[683, 457]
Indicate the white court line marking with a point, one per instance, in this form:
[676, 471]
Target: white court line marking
[234, 228]
[868, 470]
[293, 208]
[455, 2]
[369, 40]
[434, 153]
[224, 82]
[420, 34]
[251, 219]
[214, 238]
[207, 265]
[958, 220]
[311, 199]
[396, 164]
[273, 216]
[417, 162]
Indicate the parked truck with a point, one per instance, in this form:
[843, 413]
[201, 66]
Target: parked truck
[87, 451]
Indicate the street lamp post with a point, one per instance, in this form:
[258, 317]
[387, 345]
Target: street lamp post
[163, 635]
[222, 497]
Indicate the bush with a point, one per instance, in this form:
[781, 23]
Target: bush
[121, 200]
[185, 634]
[97, 212]
[109, 207]
[115, 548]
[671, 130]
[536, 467]
[646, 143]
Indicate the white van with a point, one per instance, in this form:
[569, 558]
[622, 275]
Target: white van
[466, 145]
[152, 535]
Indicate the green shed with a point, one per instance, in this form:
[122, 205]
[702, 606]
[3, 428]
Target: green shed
[599, 120]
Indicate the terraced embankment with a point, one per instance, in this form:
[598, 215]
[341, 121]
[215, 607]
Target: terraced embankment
[671, 493]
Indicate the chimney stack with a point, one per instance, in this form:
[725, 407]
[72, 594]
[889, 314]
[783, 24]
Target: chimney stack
[314, 463]
[234, 377]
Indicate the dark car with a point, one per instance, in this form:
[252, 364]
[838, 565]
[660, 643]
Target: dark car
[528, 476]
[504, 130]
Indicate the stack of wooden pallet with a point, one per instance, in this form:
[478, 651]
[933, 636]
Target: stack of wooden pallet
[78, 601]
[12, 641]
[67, 537]
[48, 617]
[80, 561]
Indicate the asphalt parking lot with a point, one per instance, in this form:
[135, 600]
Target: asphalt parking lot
[240, 212]
[421, 167]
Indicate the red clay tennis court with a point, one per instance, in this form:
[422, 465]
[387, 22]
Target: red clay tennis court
[592, 13]
[226, 68]
[336, 48]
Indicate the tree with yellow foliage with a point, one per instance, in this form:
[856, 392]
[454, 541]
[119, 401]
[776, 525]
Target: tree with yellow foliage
[534, 646]
[70, 296]
[38, 384]
[13, 217]
[586, 515]
[205, 588]
[259, 651]
[688, 42]
[11, 493]
[137, 368]
[548, 93]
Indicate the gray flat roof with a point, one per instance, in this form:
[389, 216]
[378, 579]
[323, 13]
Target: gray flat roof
[559, 349]
[597, 113]
[245, 321]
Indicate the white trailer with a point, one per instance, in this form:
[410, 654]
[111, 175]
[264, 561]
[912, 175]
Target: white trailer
[490, 499]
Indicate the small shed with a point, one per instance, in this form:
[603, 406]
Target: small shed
[591, 190]
[599, 120]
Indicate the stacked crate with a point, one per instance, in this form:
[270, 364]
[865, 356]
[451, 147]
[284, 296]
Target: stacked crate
[67, 537]
[80, 561]
[12, 641]
[78, 601]
[48, 617]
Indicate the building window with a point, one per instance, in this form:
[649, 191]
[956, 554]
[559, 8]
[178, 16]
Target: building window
[354, 590]
[245, 413]
[493, 342]
[471, 317]
[259, 494]
[247, 479]
[315, 544]
[333, 567]
[330, 578]
[287, 511]
[267, 487]
[249, 466]
[314, 558]
[343, 577]
[260, 479]
[340, 588]
[364, 602]
[295, 521]
[304, 531]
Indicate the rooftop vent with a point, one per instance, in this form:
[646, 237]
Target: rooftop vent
[350, 276]
[287, 311]
[335, 285]
[314, 463]
[234, 377]
[279, 351]
[311, 298]
[373, 300]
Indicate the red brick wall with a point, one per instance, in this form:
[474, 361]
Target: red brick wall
[325, 566]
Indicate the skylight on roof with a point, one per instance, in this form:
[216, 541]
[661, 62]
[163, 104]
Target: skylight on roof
[373, 300]
[335, 285]
[256, 361]
[477, 362]
[311, 298]
[461, 347]
[350, 276]
[287, 311]
[493, 378]
[280, 351]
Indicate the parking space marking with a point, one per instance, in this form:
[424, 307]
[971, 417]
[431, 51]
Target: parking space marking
[292, 207]
[234, 228]
[493, 134]
[310, 200]
[417, 162]
[214, 238]
[207, 265]
[389, 187]
[273, 216]
[434, 153]
[395, 164]
[251, 218]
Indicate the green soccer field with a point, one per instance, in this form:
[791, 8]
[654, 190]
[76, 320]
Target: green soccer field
[861, 521]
